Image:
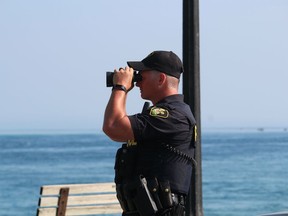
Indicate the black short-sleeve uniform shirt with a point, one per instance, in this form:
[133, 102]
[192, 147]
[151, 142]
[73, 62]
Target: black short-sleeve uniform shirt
[171, 123]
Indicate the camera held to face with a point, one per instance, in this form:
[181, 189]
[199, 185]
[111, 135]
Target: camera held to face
[109, 78]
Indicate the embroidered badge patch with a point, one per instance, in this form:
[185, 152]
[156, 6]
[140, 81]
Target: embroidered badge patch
[159, 112]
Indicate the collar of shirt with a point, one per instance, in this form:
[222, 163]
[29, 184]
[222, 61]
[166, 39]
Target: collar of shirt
[171, 98]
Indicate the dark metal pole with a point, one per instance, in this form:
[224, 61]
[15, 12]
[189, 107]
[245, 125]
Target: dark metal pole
[191, 91]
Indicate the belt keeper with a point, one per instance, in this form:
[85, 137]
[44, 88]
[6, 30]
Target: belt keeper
[119, 87]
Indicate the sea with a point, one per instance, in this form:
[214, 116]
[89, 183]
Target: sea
[244, 172]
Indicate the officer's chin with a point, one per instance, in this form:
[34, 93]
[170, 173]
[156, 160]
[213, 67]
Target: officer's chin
[143, 95]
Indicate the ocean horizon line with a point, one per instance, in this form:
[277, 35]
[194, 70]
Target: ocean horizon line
[98, 131]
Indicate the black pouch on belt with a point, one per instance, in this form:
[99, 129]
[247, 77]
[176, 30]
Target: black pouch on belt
[125, 164]
[153, 187]
[165, 194]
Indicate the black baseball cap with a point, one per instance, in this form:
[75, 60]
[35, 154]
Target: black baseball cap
[164, 61]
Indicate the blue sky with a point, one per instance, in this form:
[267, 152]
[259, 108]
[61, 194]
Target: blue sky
[54, 56]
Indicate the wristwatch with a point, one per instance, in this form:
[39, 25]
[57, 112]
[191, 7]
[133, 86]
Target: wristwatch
[119, 87]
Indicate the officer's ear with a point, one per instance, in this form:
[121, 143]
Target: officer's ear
[162, 78]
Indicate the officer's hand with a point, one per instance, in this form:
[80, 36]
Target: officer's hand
[124, 77]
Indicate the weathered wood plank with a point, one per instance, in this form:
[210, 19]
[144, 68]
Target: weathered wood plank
[108, 209]
[87, 210]
[80, 200]
[78, 188]
[46, 211]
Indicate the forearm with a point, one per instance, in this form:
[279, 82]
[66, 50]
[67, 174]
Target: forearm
[115, 110]
[116, 122]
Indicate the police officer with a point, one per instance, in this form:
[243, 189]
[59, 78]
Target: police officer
[163, 134]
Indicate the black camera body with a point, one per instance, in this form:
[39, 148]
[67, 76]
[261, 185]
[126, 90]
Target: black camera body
[109, 78]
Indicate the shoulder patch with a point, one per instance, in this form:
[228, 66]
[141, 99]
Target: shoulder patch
[159, 112]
